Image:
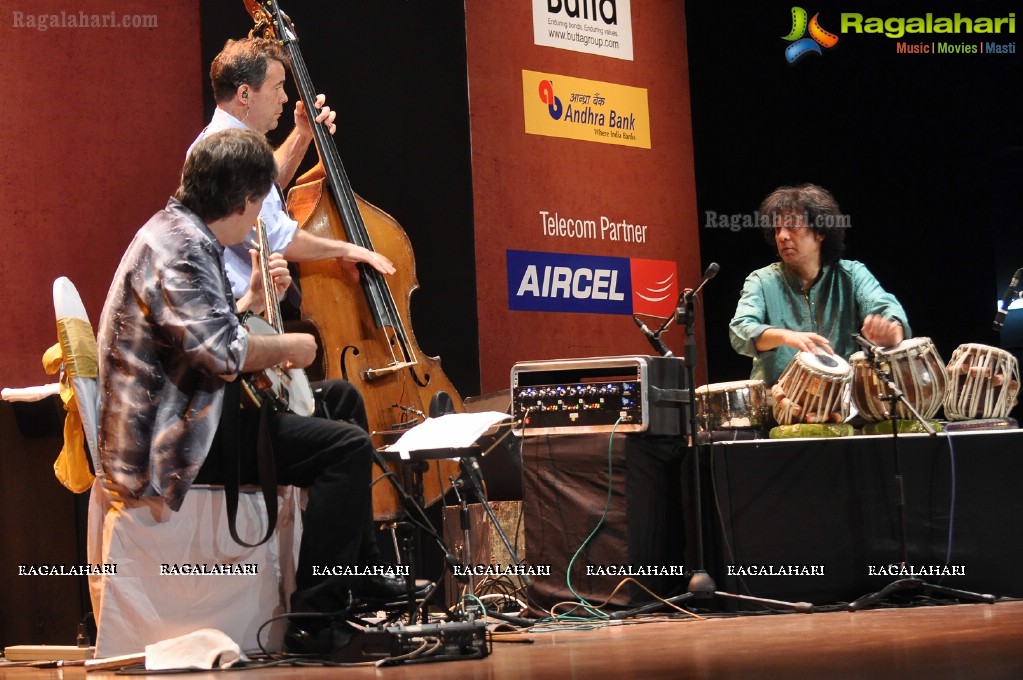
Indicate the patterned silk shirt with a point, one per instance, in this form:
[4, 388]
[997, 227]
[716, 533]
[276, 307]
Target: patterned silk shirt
[168, 338]
[834, 306]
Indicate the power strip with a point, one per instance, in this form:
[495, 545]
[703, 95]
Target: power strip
[443, 642]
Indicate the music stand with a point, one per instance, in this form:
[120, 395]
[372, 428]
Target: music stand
[468, 461]
[895, 396]
[412, 505]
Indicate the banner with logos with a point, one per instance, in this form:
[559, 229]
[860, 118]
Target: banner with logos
[583, 183]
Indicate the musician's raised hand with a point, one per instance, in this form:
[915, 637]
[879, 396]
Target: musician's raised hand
[882, 331]
[326, 116]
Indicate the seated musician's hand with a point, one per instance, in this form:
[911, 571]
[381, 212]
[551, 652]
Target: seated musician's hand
[326, 115]
[378, 261]
[255, 299]
[279, 274]
[807, 342]
[300, 349]
[882, 331]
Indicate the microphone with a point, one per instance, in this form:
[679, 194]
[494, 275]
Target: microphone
[1010, 293]
[654, 338]
[866, 345]
[708, 274]
[475, 475]
[685, 298]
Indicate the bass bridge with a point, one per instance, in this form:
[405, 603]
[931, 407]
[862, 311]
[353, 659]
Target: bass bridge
[370, 374]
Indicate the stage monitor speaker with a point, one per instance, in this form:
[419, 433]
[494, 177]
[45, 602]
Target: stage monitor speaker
[565, 490]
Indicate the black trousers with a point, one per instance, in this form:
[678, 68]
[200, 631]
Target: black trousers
[331, 455]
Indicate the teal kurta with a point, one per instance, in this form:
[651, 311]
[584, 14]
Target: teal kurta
[835, 306]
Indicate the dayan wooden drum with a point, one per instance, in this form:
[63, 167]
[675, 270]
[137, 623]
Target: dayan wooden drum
[813, 388]
[731, 405]
[917, 370]
[983, 383]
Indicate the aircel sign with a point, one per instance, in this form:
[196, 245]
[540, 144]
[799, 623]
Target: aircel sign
[561, 282]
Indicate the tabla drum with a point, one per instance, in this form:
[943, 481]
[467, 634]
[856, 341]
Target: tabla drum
[917, 370]
[731, 405]
[983, 383]
[813, 388]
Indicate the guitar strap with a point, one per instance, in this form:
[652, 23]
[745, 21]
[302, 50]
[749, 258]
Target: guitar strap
[231, 424]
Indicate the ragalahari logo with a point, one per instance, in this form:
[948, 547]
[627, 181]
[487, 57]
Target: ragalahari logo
[801, 46]
[547, 97]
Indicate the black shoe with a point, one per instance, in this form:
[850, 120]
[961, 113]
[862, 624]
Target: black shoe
[387, 586]
[313, 638]
[380, 586]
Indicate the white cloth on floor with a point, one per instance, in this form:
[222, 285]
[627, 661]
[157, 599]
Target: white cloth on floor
[204, 648]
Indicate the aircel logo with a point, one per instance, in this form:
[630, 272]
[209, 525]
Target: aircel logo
[562, 282]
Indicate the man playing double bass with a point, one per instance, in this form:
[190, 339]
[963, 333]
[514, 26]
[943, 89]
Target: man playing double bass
[248, 79]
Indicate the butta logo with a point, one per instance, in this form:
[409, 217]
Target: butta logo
[801, 45]
[547, 97]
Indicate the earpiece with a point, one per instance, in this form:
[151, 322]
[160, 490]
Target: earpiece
[245, 95]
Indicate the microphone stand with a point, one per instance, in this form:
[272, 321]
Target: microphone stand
[1010, 293]
[895, 396]
[471, 469]
[701, 584]
[466, 524]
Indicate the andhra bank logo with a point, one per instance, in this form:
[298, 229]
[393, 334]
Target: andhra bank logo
[588, 110]
[970, 35]
[563, 282]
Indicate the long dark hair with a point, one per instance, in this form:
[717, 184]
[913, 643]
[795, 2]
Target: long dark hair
[819, 209]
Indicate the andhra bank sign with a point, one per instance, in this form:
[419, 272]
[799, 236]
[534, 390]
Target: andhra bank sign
[589, 110]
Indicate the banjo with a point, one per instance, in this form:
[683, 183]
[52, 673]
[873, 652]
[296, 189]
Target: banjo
[285, 389]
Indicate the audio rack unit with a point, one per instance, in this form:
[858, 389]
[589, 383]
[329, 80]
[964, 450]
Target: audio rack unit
[599, 394]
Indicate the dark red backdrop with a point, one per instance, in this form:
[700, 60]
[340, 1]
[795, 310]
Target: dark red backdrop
[97, 122]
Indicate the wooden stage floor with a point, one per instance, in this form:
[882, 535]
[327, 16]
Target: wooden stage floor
[975, 641]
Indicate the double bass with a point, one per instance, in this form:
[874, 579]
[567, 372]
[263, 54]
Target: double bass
[363, 327]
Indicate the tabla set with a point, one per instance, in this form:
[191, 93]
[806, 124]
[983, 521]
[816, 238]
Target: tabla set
[980, 382]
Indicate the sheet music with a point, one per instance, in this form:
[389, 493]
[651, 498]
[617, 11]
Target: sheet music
[451, 431]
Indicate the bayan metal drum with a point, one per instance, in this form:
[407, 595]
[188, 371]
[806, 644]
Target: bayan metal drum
[983, 383]
[813, 388]
[917, 370]
[731, 405]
